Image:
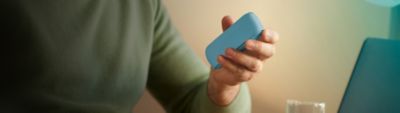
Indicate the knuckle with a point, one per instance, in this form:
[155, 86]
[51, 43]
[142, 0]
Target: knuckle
[223, 63]
[246, 76]
[249, 43]
[239, 71]
[234, 54]
[258, 46]
[256, 66]
[237, 55]
[241, 58]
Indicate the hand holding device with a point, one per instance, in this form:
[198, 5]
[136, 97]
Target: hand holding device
[247, 27]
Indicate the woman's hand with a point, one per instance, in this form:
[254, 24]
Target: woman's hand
[238, 67]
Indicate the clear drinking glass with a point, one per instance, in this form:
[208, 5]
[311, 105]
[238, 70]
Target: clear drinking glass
[294, 106]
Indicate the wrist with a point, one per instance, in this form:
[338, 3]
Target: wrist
[220, 93]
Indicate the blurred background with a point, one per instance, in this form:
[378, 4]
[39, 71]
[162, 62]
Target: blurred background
[319, 44]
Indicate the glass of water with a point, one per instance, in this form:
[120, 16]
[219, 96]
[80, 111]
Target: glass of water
[294, 106]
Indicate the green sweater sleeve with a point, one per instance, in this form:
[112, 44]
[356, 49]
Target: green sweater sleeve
[178, 78]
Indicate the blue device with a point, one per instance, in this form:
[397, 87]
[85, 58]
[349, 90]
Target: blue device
[247, 27]
[374, 85]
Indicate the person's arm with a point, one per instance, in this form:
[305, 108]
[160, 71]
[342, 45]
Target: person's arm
[177, 77]
[239, 66]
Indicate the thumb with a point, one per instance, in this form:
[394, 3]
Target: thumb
[226, 22]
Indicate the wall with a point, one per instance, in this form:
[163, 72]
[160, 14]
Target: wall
[320, 41]
[395, 23]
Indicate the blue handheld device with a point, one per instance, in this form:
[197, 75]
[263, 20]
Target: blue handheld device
[247, 27]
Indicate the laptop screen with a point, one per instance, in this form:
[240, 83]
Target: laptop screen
[374, 86]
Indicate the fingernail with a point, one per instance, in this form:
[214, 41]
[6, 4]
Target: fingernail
[270, 33]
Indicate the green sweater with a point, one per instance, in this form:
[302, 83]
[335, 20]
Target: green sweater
[99, 56]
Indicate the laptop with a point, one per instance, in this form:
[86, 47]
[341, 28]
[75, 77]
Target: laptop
[374, 86]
